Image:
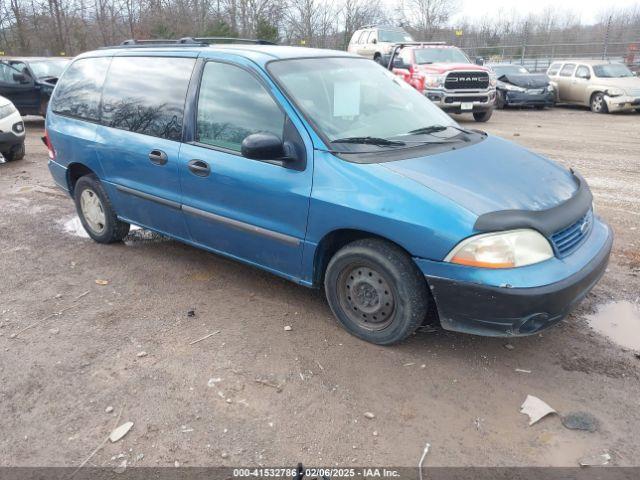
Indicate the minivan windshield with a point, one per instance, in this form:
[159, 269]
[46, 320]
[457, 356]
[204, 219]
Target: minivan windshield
[351, 98]
[439, 55]
[612, 70]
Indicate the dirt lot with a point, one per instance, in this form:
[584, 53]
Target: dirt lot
[299, 395]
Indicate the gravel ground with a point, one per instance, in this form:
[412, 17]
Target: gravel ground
[254, 393]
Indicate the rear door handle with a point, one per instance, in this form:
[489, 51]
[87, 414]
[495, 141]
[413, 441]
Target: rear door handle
[158, 157]
[199, 168]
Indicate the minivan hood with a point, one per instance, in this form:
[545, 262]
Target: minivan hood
[626, 83]
[491, 175]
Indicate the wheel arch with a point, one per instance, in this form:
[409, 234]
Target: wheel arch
[74, 172]
[334, 241]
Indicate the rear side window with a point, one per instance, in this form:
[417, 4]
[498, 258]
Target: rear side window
[78, 91]
[147, 95]
[554, 69]
[567, 70]
[233, 104]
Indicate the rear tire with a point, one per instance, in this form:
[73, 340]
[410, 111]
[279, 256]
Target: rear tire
[96, 213]
[598, 105]
[482, 116]
[376, 291]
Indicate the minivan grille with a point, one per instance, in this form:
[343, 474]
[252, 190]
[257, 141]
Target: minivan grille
[466, 80]
[568, 239]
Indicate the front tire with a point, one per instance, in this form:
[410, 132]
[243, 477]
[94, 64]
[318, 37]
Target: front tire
[376, 291]
[96, 213]
[598, 104]
[16, 153]
[500, 101]
[482, 116]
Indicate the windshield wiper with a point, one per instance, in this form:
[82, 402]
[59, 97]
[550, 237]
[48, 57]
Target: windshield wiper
[380, 142]
[438, 128]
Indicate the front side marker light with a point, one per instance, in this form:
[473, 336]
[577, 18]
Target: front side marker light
[509, 249]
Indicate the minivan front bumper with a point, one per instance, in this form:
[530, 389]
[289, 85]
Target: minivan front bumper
[520, 301]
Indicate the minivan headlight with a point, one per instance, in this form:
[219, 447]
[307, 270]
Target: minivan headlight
[615, 92]
[7, 110]
[513, 248]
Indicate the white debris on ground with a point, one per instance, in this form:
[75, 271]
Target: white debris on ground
[535, 408]
[120, 431]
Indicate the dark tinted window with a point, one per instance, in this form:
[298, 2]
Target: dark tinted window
[232, 105]
[78, 91]
[147, 95]
[567, 70]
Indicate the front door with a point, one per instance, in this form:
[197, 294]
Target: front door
[138, 143]
[250, 209]
[18, 86]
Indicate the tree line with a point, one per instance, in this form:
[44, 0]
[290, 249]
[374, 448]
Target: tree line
[69, 27]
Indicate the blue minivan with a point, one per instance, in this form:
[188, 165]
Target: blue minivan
[326, 169]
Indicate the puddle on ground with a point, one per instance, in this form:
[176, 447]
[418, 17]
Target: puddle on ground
[137, 235]
[620, 322]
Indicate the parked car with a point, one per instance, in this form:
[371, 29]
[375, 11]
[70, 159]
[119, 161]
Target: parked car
[11, 132]
[599, 84]
[376, 42]
[518, 87]
[359, 185]
[446, 76]
[29, 81]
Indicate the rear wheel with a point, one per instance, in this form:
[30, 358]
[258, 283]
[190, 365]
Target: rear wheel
[482, 116]
[598, 104]
[376, 291]
[96, 212]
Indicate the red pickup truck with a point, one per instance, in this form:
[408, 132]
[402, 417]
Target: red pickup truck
[447, 77]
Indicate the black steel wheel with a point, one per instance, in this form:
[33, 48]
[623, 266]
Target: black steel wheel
[376, 291]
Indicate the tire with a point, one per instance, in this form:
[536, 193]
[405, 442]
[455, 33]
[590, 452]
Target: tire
[597, 103]
[96, 212]
[500, 103]
[539, 107]
[392, 295]
[482, 116]
[16, 153]
[378, 59]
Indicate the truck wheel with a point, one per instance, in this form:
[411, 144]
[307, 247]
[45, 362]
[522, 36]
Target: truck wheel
[598, 104]
[482, 116]
[96, 212]
[378, 59]
[376, 291]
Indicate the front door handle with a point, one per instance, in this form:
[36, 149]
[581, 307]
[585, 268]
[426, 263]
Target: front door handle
[158, 157]
[199, 168]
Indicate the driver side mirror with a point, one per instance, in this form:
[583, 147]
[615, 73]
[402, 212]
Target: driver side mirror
[21, 78]
[374, 41]
[263, 146]
[479, 61]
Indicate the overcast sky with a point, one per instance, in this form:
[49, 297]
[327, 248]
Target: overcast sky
[588, 10]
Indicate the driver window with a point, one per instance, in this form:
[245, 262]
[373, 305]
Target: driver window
[582, 72]
[12, 76]
[232, 105]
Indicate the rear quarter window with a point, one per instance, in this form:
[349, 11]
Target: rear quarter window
[147, 95]
[77, 93]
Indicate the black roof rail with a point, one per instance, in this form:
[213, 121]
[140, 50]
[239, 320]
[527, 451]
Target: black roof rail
[210, 40]
[188, 42]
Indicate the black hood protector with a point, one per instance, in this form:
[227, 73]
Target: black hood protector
[526, 80]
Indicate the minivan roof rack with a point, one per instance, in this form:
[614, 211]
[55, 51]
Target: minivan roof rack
[189, 42]
[403, 44]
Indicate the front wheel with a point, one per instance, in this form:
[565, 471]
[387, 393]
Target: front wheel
[16, 153]
[500, 100]
[598, 104]
[482, 116]
[376, 291]
[96, 212]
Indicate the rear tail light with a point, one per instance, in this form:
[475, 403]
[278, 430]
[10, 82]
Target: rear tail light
[47, 143]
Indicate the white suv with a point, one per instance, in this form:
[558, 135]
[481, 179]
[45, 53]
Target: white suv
[11, 132]
[376, 42]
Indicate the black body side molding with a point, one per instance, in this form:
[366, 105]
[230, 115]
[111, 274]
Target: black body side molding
[547, 221]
